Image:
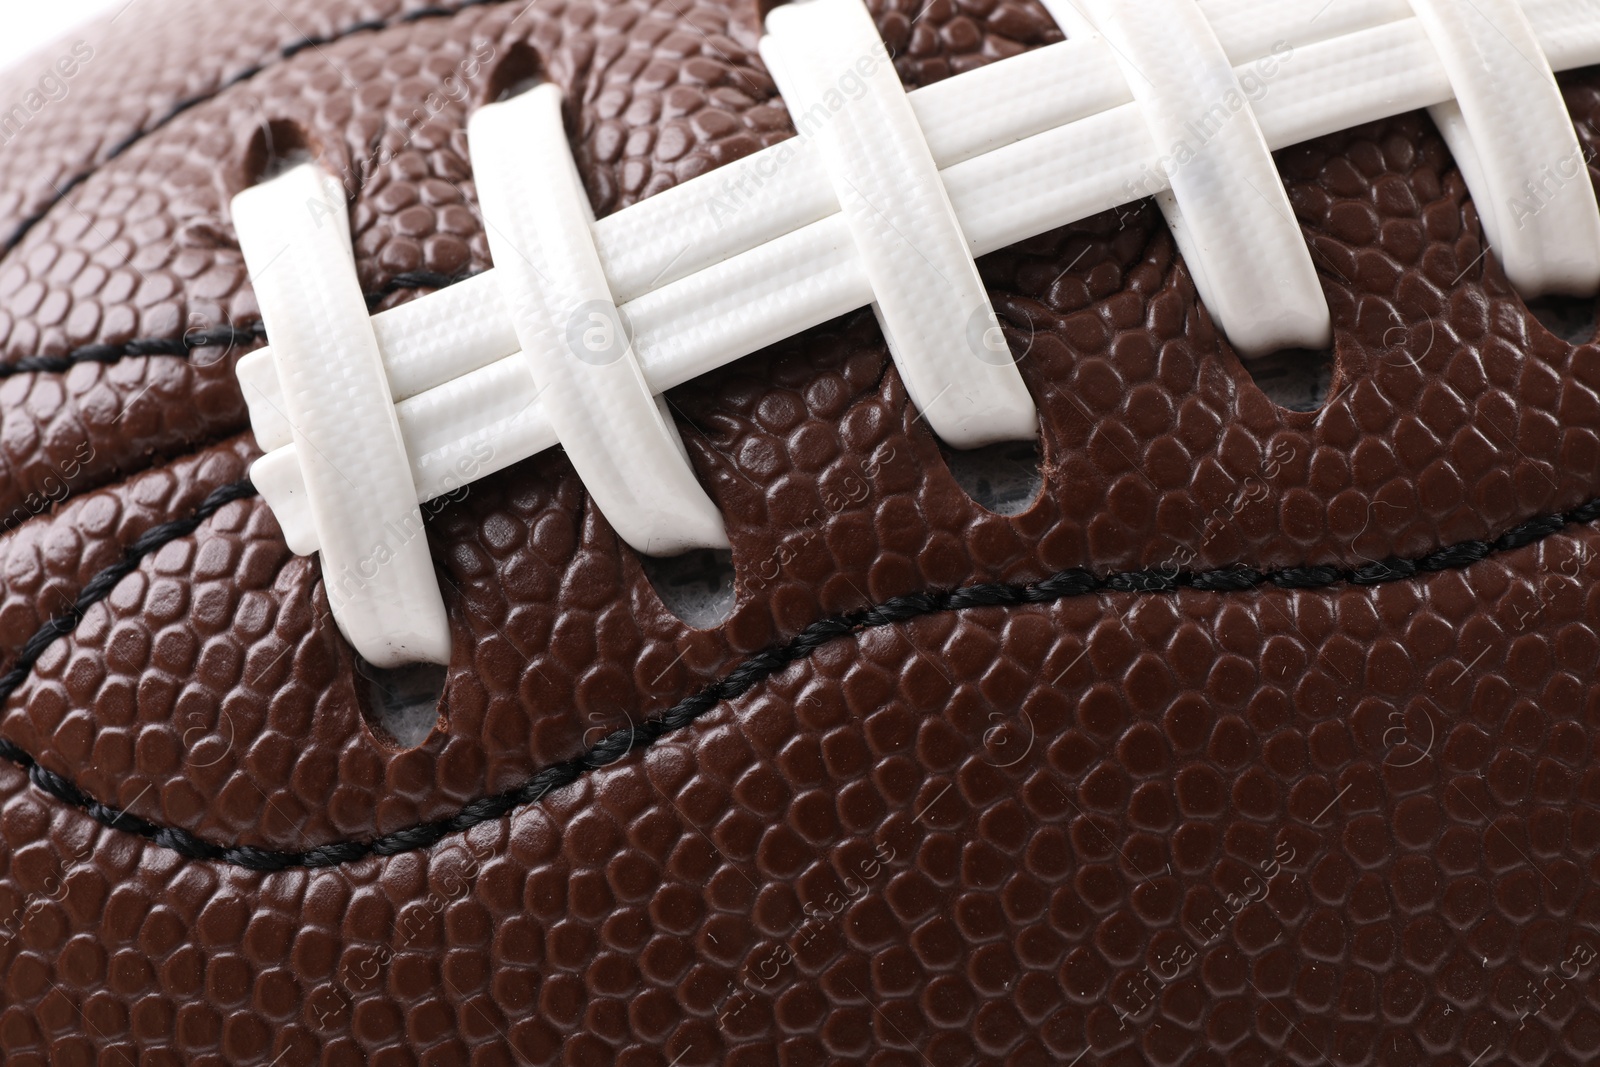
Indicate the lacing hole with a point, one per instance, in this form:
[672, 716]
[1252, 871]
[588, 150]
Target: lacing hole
[402, 703]
[1571, 318]
[515, 74]
[697, 587]
[278, 146]
[1004, 478]
[1296, 379]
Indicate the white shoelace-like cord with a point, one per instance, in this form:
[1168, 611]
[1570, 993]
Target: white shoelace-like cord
[884, 199]
[903, 230]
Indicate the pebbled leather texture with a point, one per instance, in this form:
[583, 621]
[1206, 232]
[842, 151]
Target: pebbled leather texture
[1413, 755]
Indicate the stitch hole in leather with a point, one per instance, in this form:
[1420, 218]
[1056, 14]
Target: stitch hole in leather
[1296, 379]
[697, 587]
[401, 704]
[1571, 318]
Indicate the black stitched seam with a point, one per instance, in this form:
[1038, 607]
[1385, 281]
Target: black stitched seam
[285, 52]
[740, 680]
[97, 589]
[216, 337]
[416, 279]
[219, 336]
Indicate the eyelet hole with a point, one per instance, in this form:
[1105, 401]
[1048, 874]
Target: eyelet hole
[401, 704]
[515, 74]
[697, 586]
[1571, 318]
[1004, 478]
[278, 146]
[1295, 379]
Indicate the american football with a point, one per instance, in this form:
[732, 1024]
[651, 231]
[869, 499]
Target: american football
[703, 533]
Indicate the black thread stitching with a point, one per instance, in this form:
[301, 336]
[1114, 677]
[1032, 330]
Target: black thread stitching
[740, 680]
[416, 279]
[97, 589]
[216, 337]
[286, 52]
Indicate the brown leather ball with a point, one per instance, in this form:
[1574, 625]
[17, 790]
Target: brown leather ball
[1257, 735]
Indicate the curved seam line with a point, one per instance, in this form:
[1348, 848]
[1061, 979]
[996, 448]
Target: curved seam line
[741, 679]
[217, 336]
[287, 51]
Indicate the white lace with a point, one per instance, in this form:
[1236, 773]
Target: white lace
[883, 200]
